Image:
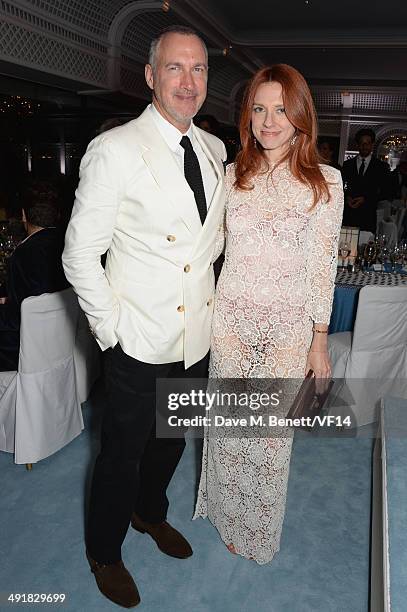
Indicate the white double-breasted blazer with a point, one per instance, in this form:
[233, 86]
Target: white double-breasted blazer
[156, 293]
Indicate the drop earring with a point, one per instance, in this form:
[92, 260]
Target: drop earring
[293, 140]
[254, 142]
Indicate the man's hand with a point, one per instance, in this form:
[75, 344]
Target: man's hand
[357, 202]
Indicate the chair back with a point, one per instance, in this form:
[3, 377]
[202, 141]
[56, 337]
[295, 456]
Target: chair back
[377, 363]
[385, 206]
[379, 344]
[47, 411]
[365, 237]
[381, 320]
[390, 230]
[48, 328]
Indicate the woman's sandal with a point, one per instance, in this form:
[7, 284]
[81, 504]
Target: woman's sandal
[232, 549]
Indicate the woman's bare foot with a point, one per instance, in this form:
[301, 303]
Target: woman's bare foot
[231, 549]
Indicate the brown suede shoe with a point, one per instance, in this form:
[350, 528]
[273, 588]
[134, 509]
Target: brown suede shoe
[168, 539]
[115, 582]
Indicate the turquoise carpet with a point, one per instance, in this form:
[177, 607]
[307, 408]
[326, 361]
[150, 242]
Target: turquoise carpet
[323, 564]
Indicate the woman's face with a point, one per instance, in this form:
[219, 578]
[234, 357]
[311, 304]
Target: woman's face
[270, 125]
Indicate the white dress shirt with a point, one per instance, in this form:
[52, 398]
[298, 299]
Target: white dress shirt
[359, 162]
[172, 137]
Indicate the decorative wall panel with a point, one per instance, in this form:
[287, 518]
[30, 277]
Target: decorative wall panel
[26, 47]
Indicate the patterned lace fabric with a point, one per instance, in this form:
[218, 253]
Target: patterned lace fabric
[277, 279]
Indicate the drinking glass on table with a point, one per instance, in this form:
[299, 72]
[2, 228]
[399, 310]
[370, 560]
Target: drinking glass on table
[382, 240]
[383, 256]
[8, 245]
[396, 257]
[344, 251]
[370, 252]
[403, 249]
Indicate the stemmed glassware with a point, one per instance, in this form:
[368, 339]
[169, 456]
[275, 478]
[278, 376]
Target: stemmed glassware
[370, 252]
[383, 256]
[403, 249]
[397, 257]
[344, 251]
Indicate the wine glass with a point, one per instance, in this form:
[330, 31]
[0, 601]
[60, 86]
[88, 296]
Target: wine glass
[384, 257]
[370, 252]
[382, 238]
[379, 245]
[396, 257]
[344, 251]
[403, 247]
[8, 245]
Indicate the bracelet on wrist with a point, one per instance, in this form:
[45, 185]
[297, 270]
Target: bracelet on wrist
[319, 331]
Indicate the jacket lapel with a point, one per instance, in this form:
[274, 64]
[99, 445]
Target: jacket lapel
[371, 167]
[166, 172]
[217, 165]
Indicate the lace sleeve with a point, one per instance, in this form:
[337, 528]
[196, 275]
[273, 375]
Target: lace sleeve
[323, 249]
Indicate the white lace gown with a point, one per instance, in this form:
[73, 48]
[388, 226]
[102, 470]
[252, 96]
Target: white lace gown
[277, 279]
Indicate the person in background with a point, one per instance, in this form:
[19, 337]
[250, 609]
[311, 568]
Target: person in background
[366, 182]
[398, 186]
[209, 123]
[35, 267]
[398, 179]
[109, 124]
[327, 153]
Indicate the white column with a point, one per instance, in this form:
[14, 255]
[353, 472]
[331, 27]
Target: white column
[347, 103]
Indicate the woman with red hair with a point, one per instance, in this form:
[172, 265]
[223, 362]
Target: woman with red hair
[274, 297]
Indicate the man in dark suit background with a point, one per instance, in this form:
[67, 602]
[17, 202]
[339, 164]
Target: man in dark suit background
[366, 182]
[34, 268]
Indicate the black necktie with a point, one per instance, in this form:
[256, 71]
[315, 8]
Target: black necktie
[193, 175]
[362, 168]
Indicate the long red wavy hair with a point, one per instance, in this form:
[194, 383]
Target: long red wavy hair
[302, 156]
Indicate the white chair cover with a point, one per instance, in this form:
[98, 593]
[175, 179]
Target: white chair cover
[339, 346]
[87, 358]
[8, 382]
[385, 206]
[365, 237]
[376, 364]
[47, 409]
[400, 214]
[390, 230]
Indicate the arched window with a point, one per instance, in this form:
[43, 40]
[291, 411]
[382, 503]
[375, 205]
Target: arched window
[391, 146]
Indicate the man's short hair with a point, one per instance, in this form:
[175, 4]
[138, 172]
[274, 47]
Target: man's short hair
[39, 200]
[365, 132]
[173, 29]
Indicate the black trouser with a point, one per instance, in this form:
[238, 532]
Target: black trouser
[134, 468]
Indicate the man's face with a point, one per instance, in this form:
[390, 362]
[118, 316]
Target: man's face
[179, 79]
[365, 145]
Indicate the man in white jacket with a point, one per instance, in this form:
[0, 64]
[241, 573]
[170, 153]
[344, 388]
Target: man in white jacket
[151, 193]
